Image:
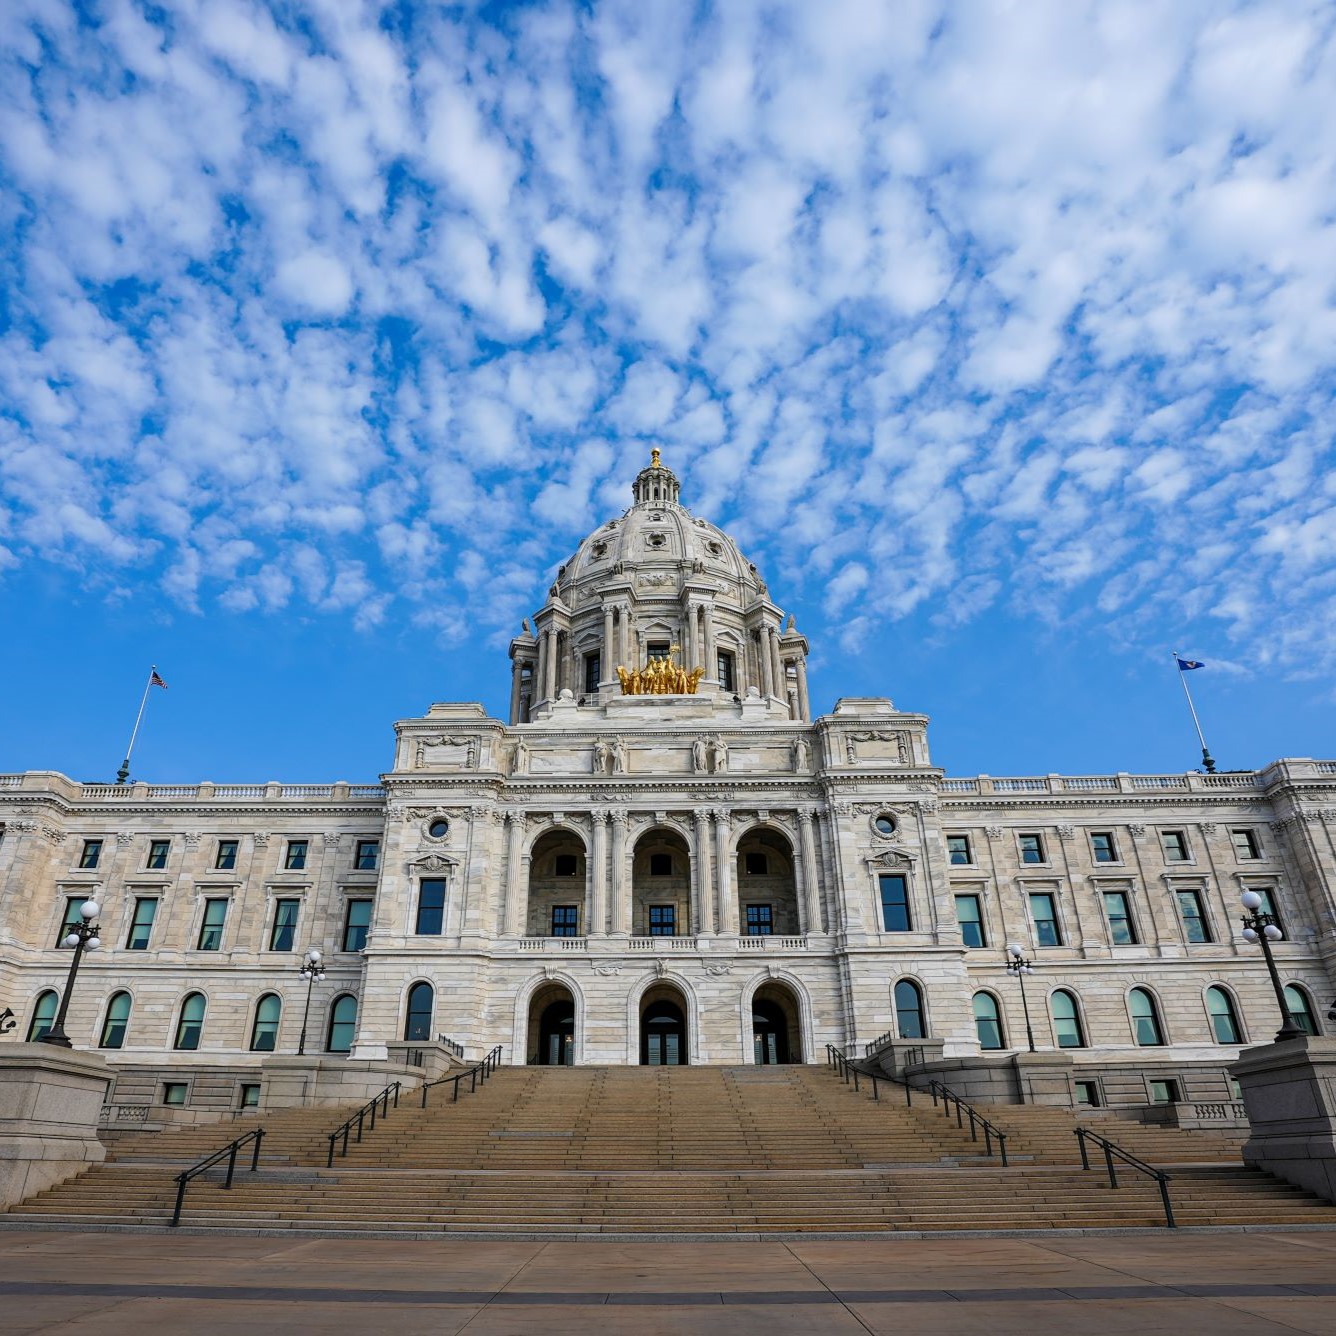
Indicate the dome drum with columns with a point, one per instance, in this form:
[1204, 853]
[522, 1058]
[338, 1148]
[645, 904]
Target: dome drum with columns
[658, 583]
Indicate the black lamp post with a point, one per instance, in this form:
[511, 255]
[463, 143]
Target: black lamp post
[311, 970]
[1020, 967]
[82, 937]
[1259, 926]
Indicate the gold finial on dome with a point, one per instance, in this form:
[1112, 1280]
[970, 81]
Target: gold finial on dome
[654, 457]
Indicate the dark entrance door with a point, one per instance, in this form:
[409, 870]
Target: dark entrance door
[770, 1034]
[663, 1036]
[556, 1035]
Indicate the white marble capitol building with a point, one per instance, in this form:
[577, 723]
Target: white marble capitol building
[661, 857]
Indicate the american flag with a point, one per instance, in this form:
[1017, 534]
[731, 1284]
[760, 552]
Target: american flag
[156, 681]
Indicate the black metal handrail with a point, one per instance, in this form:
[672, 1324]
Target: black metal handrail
[848, 1070]
[1083, 1134]
[345, 1129]
[991, 1132]
[456, 1048]
[475, 1076]
[256, 1134]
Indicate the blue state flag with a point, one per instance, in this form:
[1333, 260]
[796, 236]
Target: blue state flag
[1187, 665]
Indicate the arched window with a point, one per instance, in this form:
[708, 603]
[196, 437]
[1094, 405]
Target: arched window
[264, 1029]
[342, 1024]
[988, 1021]
[43, 1013]
[420, 1001]
[190, 1026]
[1300, 1007]
[116, 1021]
[1066, 1015]
[1145, 1019]
[1224, 1019]
[909, 1010]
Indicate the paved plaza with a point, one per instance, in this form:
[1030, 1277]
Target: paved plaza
[1227, 1284]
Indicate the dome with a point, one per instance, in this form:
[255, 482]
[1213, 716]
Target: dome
[658, 583]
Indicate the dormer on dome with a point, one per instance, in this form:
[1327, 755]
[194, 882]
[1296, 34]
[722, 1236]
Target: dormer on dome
[658, 583]
[656, 485]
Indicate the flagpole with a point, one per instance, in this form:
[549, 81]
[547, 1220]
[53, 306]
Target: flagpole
[1207, 760]
[123, 773]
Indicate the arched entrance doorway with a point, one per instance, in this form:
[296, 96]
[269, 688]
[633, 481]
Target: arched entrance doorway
[551, 1037]
[663, 1029]
[775, 1026]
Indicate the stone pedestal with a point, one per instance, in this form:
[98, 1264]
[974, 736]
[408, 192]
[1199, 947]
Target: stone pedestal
[1289, 1091]
[995, 1078]
[292, 1082]
[910, 1056]
[50, 1101]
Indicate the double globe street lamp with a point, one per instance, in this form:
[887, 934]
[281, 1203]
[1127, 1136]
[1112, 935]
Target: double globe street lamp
[1261, 926]
[83, 936]
[1018, 965]
[311, 970]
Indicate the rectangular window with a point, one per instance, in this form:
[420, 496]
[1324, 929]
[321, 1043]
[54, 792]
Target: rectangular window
[566, 865]
[1122, 931]
[755, 865]
[726, 682]
[1032, 848]
[1195, 926]
[1175, 846]
[970, 917]
[368, 855]
[1087, 1093]
[92, 854]
[958, 849]
[1245, 843]
[356, 924]
[593, 672]
[565, 920]
[174, 1092]
[157, 853]
[227, 855]
[760, 920]
[1044, 911]
[141, 926]
[663, 920]
[211, 925]
[71, 920]
[1268, 905]
[657, 649]
[295, 858]
[1103, 847]
[431, 907]
[1164, 1092]
[283, 935]
[250, 1095]
[894, 902]
[660, 865]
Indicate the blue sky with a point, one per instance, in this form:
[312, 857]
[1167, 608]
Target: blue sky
[999, 334]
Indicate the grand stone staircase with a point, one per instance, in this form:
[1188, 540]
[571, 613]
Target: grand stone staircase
[695, 1150]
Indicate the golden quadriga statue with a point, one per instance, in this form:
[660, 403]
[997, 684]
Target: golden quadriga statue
[659, 677]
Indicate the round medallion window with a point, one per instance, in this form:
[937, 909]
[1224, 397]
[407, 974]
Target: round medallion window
[439, 828]
[884, 823]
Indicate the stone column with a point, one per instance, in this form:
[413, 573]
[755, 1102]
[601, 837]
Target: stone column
[764, 663]
[804, 702]
[515, 890]
[811, 883]
[728, 904]
[711, 652]
[776, 665]
[621, 887]
[608, 668]
[515, 667]
[540, 675]
[597, 925]
[689, 639]
[702, 909]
